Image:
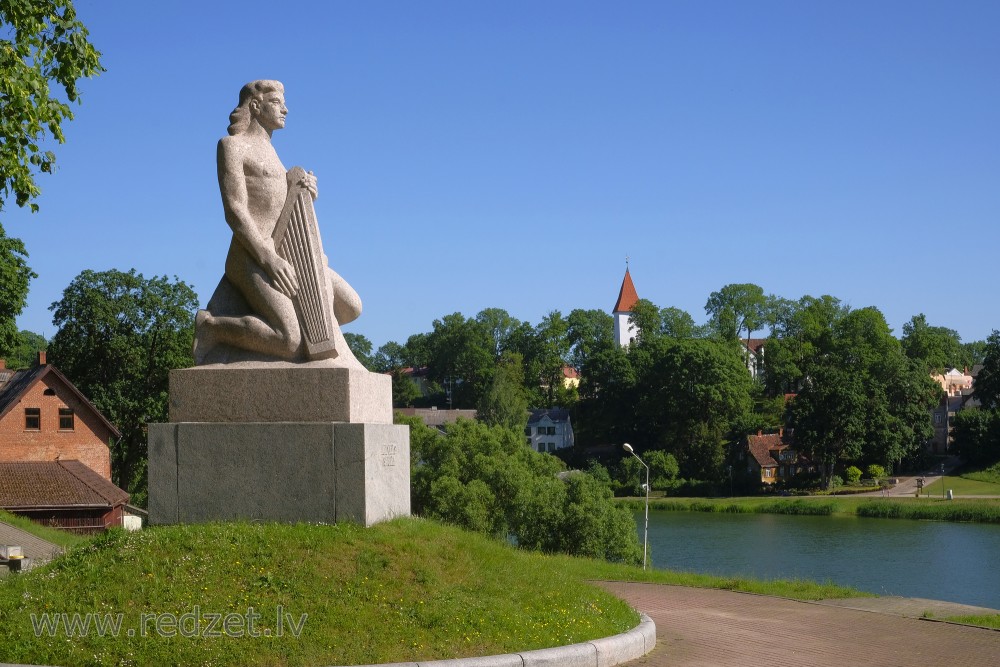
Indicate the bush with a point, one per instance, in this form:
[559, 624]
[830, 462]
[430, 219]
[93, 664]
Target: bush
[836, 481]
[485, 479]
[853, 475]
[876, 472]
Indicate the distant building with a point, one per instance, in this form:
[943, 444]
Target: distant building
[958, 387]
[772, 457]
[625, 330]
[754, 355]
[549, 430]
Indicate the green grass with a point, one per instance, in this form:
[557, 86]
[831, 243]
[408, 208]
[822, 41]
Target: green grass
[976, 512]
[62, 538]
[402, 591]
[989, 474]
[981, 510]
[984, 621]
[979, 483]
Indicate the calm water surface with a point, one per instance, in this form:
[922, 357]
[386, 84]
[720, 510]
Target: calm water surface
[926, 559]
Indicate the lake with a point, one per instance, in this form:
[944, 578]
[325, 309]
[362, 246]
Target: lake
[958, 562]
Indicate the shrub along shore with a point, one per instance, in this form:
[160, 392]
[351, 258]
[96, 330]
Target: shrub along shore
[974, 510]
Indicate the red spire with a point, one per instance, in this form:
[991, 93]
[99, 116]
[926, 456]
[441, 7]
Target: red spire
[627, 296]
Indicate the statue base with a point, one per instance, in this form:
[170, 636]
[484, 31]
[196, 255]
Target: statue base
[278, 442]
[319, 472]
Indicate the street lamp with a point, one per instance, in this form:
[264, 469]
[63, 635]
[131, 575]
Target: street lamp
[645, 532]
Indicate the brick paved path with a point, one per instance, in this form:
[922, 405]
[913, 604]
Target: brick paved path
[710, 628]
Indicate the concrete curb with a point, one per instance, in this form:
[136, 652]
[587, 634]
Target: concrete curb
[606, 652]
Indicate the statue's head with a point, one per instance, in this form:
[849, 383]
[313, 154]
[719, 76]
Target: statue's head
[255, 91]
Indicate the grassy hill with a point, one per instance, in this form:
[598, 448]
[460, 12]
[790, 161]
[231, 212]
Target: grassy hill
[406, 590]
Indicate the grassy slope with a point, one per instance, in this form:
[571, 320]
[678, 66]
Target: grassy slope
[62, 538]
[402, 591]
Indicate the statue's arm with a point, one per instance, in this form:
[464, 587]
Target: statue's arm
[235, 201]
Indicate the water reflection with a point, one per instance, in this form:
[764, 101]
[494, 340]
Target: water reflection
[926, 559]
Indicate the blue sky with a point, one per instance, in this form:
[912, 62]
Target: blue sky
[511, 154]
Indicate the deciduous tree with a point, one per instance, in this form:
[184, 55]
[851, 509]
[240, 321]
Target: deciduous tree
[119, 336]
[44, 47]
[14, 278]
[987, 385]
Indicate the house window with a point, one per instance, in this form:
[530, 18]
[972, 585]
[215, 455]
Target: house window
[527, 430]
[937, 418]
[65, 419]
[32, 419]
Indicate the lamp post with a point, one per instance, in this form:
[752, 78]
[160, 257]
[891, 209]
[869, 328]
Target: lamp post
[645, 531]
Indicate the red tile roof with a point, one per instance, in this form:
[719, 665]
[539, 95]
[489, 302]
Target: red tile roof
[627, 296]
[760, 447]
[47, 484]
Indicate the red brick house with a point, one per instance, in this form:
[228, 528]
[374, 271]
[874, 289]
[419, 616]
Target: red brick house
[55, 460]
[43, 417]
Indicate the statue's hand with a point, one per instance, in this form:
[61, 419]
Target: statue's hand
[282, 274]
[309, 183]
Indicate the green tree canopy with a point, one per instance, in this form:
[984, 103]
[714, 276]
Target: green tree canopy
[504, 403]
[486, 479]
[361, 347]
[43, 48]
[119, 336]
[737, 307]
[936, 348]
[987, 385]
[14, 278]
[25, 354]
[863, 399]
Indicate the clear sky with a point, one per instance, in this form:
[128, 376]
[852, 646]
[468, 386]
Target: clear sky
[511, 154]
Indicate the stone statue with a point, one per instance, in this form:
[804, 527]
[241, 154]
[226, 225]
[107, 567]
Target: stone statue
[262, 308]
[278, 421]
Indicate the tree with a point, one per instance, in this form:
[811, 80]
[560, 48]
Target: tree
[587, 332]
[737, 307]
[362, 349]
[500, 327]
[26, 352]
[987, 386]
[45, 47]
[14, 278]
[801, 333]
[485, 479]
[547, 356]
[862, 398]
[504, 402]
[977, 436]
[389, 357]
[936, 348]
[460, 358]
[119, 336]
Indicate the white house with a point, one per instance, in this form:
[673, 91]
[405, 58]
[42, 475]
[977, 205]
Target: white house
[549, 430]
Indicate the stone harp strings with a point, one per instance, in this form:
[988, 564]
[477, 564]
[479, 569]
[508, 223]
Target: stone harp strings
[297, 241]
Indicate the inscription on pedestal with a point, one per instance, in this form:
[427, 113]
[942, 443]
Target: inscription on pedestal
[389, 454]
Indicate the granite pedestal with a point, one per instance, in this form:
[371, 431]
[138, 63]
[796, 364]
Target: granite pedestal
[278, 443]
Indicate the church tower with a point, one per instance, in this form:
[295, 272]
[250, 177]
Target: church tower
[625, 331]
